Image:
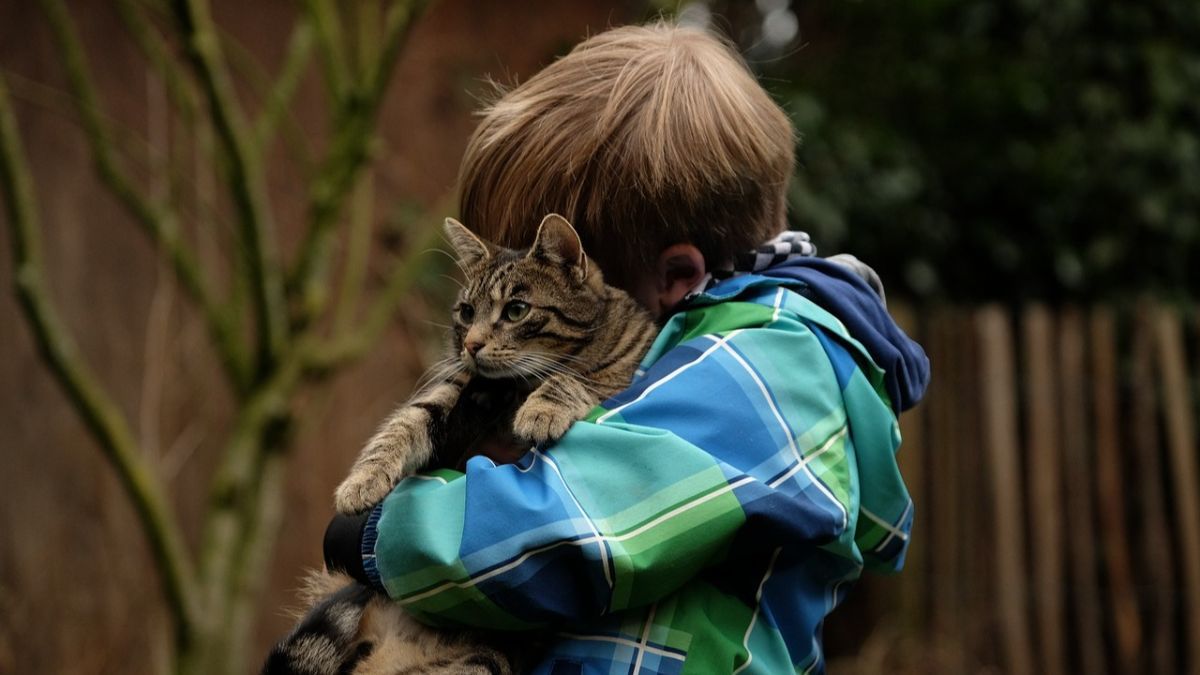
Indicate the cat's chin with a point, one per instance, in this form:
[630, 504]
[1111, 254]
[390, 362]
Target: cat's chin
[491, 371]
[494, 371]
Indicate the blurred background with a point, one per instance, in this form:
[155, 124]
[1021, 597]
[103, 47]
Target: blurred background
[218, 227]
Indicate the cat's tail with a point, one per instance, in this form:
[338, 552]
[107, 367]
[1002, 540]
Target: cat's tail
[327, 640]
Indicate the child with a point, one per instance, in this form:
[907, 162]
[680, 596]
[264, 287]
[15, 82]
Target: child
[708, 518]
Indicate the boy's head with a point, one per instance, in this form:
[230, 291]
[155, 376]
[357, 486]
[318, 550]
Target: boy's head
[644, 138]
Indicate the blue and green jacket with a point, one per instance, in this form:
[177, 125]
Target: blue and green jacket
[705, 520]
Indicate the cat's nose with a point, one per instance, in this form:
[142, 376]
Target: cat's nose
[472, 346]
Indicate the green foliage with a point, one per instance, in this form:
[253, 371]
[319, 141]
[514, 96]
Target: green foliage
[978, 149]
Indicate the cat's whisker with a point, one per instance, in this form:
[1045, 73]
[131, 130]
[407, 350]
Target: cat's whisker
[455, 281]
[565, 357]
[552, 363]
[438, 372]
[452, 257]
[546, 366]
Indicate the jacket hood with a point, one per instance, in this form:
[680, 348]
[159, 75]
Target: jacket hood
[841, 291]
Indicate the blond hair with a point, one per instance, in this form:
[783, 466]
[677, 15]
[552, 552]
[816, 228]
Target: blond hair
[643, 137]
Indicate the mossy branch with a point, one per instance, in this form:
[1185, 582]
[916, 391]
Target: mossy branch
[344, 348]
[180, 89]
[333, 52]
[233, 519]
[358, 252]
[213, 602]
[295, 62]
[354, 131]
[156, 219]
[101, 415]
[246, 180]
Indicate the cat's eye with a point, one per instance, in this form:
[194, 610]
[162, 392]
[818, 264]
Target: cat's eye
[516, 310]
[466, 313]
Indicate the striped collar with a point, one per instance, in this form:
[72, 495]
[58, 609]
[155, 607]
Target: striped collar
[786, 246]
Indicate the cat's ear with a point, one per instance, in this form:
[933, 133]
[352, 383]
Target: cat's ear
[470, 248]
[558, 242]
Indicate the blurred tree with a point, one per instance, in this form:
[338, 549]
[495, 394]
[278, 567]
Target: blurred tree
[285, 334]
[983, 149]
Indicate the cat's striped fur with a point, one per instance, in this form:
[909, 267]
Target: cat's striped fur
[542, 316]
[351, 630]
[539, 340]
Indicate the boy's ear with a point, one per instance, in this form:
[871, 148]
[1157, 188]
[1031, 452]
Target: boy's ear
[470, 248]
[558, 242]
[679, 269]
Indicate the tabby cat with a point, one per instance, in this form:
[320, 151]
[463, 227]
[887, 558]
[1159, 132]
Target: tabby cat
[542, 318]
[538, 341]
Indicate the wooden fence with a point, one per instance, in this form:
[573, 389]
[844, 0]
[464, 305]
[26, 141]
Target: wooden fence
[1054, 470]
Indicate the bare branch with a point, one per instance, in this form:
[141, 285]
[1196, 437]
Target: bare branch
[245, 176]
[244, 63]
[333, 53]
[237, 485]
[294, 64]
[157, 220]
[321, 358]
[263, 519]
[348, 155]
[158, 54]
[358, 252]
[97, 410]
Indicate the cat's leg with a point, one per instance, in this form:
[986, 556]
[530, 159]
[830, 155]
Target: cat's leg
[483, 661]
[551, 409]
[402, 445]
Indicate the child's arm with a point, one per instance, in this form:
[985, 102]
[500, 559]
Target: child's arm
[733, 433]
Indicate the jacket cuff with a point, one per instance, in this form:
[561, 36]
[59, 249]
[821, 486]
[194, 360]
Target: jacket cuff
[367, 548]
[349, 546]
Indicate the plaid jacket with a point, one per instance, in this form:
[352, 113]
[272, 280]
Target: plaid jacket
[705, 520]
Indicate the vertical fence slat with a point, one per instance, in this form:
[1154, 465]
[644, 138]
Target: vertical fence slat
[1081, 535]
[977, 521]
[1110, 488]
[1044, 477]
[1000, 436]
[943, 493]
[913, 587]
[1181, 443]
[1155, 543]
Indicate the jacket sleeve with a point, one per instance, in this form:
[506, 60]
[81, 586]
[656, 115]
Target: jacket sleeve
[740, 433]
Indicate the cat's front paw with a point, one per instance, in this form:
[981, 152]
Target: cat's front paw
[541, 422]
[361, 491]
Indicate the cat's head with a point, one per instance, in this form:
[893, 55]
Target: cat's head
[525, 313]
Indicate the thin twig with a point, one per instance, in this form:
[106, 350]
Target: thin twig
[358, 251]
[61, 102]
[321, 358]
[101, 415]
[180, 88]
[333, 53]
[246, 65]
[294, 64]
[246, 180]
[348, 155]
[156, 219]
